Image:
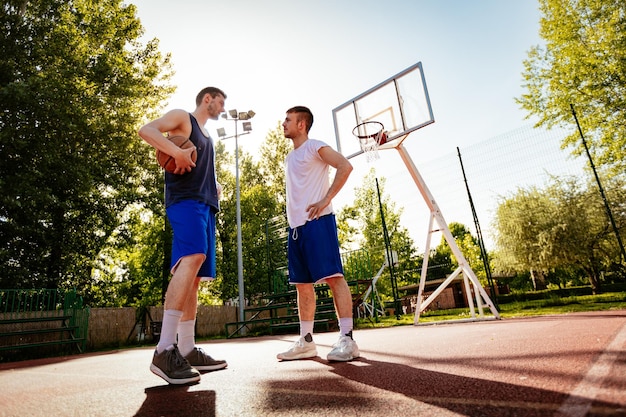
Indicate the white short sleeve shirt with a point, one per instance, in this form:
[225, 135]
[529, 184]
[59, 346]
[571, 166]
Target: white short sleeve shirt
[307, 178]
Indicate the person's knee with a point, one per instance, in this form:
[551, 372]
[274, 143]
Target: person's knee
[336, 282]
[194, 261]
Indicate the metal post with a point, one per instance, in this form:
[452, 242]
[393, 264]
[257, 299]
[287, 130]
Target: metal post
[479, 234]
[388, 253]
[236, 117]
[606, 202]
[239, 243]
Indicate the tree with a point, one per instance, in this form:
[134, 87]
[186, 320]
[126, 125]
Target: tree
[469, 247]
[262, 196]
[563, 226]
[273, 152]
[582, 64]
[129, 271]
[360, 225]
[74, 85]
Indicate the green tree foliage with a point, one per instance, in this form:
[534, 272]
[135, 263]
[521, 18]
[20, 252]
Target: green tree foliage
[74, 84]
[360, 227]
[129, 271]
[469, 247]
[582, 64]
[562, 226]
[262, 193]
[273, 152]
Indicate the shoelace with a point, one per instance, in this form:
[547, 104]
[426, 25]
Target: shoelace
[342, 342]
[201, 356]
[298, 344]
[177, 357]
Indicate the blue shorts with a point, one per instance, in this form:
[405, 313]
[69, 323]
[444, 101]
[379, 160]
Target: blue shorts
[313, 251]
[193, 224]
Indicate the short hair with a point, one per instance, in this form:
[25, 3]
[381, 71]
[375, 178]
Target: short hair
[213, 91]
[303, 114]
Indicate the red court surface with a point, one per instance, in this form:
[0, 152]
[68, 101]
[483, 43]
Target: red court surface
[566, 365]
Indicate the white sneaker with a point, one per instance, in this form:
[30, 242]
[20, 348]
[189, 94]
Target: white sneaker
[344, 350]
[302, 348]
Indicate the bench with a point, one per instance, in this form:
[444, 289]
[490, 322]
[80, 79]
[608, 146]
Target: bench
[325, 316]
[319, 325]
[34, 321]
[251, 325]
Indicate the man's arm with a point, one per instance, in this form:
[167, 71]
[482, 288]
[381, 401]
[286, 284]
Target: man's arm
[175, 122]
[343, 169]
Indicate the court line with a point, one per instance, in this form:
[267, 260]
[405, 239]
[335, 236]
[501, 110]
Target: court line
[578, 404]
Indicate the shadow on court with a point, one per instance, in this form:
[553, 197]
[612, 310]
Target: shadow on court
[569, 365]
[458, 394]
[175, 401]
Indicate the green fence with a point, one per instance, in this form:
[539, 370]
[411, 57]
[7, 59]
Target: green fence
[37, 317]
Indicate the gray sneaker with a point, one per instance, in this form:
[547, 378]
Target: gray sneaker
[172, 367]
[344, 350]
[302, 348]
[203, 362]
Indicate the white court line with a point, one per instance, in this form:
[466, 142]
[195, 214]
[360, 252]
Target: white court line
[579, 401]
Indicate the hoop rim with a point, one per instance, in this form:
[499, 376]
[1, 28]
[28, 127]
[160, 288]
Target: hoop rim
[373, 135]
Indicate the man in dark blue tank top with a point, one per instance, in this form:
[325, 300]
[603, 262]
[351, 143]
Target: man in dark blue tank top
[191, 202]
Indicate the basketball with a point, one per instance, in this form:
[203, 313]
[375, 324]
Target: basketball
[168, 162]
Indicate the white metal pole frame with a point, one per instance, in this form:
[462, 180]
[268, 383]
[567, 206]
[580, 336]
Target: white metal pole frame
[463, 264]
[236, 117]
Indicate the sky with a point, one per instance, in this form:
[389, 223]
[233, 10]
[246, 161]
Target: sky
[271, 55]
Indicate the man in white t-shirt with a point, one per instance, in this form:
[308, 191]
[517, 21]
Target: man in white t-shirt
[313, 247]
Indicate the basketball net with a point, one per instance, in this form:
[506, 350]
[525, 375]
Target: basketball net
[369, 146]
[370, 135]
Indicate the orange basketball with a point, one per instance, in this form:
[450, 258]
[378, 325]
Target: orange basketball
[168, 162]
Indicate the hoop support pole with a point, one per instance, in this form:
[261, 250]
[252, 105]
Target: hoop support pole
[443, 227]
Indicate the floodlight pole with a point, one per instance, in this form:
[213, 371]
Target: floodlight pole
[236, 117]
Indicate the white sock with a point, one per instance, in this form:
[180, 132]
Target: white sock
[186, 336]
[306, 327]
[169, 329]
[345, 325]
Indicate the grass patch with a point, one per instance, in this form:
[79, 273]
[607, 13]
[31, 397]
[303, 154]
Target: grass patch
[519, 306]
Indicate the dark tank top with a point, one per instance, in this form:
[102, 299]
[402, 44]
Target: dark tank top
[200, 183]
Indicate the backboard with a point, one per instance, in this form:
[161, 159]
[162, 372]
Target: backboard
[401, 103]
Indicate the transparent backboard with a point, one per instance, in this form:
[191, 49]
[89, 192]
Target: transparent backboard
[400, 103]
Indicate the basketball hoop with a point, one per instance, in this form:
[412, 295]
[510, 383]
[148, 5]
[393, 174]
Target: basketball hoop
[371, 135]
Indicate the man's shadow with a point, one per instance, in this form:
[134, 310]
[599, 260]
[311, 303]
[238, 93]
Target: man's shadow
[469, 396]
[177, 401]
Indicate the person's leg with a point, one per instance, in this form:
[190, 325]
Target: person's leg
[306, 308]
[186, 329]
[196, 357]
[304, 347]
[329, 268]
[299, 275]
[190, 308]
[177, 295]
[306, 301]
[188, 221]
[187, 326]
[346, 348]
[342, 298]
[167, 362]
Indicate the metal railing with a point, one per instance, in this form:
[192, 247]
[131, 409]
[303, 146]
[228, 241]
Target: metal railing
[20, 305]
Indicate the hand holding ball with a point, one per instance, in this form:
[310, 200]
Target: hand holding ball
[168, 162]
